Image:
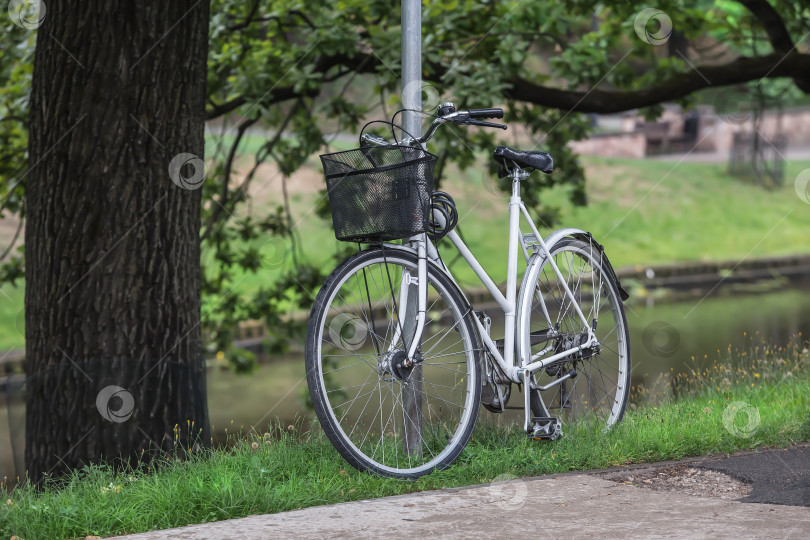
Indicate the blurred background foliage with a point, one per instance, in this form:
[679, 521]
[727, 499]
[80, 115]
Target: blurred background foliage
[289, 79]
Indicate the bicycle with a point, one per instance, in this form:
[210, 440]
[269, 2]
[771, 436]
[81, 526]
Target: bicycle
[398, 361]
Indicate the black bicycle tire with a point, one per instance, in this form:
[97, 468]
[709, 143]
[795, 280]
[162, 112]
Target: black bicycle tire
[319, 309]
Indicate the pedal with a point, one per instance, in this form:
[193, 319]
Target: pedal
[546, 428]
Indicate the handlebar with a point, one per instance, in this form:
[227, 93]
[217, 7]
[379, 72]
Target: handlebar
[447, 113]
[463, 118]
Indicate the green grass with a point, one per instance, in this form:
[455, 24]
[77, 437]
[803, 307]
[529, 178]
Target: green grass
[289, 469]
[12, 325]
[649, 212]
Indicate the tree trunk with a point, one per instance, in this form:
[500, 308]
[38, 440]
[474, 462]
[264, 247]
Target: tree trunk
[112, 299]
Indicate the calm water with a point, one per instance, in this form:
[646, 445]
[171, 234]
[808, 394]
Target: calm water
[664, 336]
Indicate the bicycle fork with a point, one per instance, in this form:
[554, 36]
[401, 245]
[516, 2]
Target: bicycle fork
[412, 288]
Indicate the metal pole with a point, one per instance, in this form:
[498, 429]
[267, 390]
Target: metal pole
[412, 122]
[412, 64]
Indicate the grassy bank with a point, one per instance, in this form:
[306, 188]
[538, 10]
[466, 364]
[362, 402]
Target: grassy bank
[644, 211]
[760, 399]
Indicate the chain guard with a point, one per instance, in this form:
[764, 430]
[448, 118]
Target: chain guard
[490, 399]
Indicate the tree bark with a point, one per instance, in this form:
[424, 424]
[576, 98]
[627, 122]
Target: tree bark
[112, 302]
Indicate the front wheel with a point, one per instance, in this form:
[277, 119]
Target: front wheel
[597, 395]
[382, 416]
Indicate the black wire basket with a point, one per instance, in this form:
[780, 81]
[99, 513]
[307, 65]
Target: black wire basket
[379, 193]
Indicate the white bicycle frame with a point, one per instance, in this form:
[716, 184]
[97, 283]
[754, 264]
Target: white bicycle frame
[518, 372]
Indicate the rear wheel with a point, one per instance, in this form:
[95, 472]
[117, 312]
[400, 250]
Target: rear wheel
[381, 416]
[597, 395]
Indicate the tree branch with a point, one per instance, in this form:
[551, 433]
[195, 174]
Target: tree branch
[218, 110]
[772, 23]
[276, 96]
[742, 70]
[284, 93]
[13, 240]
[248, 18]
[227, 176]
[260, 157]
[229, 164]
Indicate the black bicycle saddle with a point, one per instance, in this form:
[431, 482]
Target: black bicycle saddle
[542, 161]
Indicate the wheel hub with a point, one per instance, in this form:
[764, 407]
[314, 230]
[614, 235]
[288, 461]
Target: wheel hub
[396, 364]
[565, 342]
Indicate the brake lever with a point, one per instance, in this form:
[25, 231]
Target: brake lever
[473, 122]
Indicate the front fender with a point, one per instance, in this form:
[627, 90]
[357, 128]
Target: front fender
[394, 247]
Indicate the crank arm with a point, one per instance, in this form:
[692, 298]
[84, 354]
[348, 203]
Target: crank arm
[570, 375]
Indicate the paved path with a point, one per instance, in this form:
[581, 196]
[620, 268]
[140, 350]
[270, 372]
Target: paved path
[579, 505]
[778, 476]
[792, 154]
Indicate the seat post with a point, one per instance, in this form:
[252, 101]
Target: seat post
[518, 174]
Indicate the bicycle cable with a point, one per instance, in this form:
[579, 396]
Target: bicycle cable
[444, 204]
[393, 117]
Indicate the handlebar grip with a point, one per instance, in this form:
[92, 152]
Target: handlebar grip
[486, 113]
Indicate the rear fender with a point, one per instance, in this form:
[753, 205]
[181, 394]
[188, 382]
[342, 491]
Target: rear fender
[585, 236]
[526, 292]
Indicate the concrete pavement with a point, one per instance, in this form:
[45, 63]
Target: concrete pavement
[579, 505]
